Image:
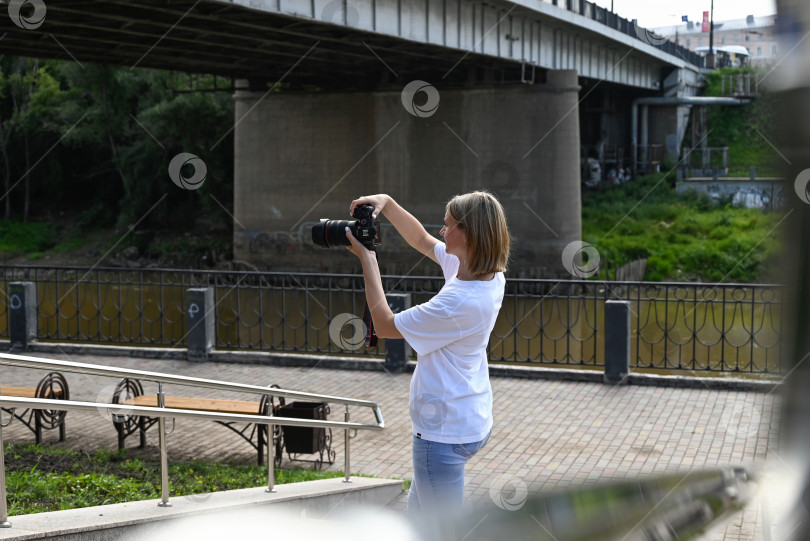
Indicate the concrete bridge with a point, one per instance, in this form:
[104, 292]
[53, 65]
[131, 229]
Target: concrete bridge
[421, 99]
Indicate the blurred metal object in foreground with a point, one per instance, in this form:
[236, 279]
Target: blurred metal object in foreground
[654, 508]
[787, 496]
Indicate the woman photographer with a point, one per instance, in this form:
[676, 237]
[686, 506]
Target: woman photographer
[450, 394]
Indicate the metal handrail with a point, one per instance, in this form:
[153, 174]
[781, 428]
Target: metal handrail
[98, 370]
[162, 412]
[154, 411]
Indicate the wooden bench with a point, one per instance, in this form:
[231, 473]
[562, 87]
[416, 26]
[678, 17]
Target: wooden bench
[130, 392]
[53, 386]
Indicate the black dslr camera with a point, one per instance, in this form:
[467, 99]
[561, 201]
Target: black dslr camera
[364, 228]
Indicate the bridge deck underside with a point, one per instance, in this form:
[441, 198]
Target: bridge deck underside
[233, 39]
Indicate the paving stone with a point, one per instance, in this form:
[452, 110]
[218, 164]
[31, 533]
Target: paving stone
[551, 434]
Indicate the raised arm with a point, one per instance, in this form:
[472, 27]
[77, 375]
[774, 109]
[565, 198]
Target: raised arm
[404, 222]
[381, 313]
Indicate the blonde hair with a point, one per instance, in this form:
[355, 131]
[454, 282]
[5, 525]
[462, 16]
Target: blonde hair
[480, 216]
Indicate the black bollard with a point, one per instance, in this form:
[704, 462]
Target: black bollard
[617, 342]
[22, 313]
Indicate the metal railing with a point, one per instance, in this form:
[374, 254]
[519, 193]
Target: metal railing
[705, 162]
[612, 20]
[739, 85]
[162, 413]
[676, 326]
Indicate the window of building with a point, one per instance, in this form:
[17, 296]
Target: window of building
[761, 36]
[688, 43]
[736, 38]
[700, 42]
[759, 51]
[723, 40]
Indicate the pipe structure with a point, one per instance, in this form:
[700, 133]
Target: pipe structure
[668, 101]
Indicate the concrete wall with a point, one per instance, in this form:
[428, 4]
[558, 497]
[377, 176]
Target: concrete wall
[302, 157]
[668, 127]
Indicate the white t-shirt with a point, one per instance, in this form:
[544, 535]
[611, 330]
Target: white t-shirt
[450, 398]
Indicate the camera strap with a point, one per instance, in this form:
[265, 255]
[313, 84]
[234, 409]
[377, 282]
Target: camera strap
[371, 336]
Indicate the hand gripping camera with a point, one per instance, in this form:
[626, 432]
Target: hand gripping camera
[364, 228]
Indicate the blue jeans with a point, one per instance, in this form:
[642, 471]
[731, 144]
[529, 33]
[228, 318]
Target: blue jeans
[438, 474]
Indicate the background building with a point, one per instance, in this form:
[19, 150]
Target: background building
[754, 33]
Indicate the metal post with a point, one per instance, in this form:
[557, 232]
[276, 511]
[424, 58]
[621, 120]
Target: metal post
[201, 324]
[22, 313]
[347, 479]
[271, 459]
[4, 523]
[645, 139]
[617, 342]
[164, 461]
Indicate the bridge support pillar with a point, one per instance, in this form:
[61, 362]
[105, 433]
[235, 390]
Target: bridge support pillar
[301, 157]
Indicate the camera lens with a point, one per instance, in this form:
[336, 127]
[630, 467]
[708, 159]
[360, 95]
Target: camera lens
[333, 232]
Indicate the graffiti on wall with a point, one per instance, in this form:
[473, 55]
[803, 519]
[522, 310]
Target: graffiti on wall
[765, 195]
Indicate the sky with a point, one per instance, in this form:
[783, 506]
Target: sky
[654, 13]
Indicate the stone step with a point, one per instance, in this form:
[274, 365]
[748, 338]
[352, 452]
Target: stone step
[324, 499]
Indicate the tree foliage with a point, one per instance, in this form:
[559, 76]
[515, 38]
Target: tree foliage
[99, 140]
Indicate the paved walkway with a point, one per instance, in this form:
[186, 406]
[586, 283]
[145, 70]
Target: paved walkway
[548, 434]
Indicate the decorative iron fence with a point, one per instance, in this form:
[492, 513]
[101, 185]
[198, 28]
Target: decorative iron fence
[675, 326]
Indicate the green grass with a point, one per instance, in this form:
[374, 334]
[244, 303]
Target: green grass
[46, 479]
[18, 237]
[188, 248]
[750, 131]
[689, 237]
[684, 238]
[35, 239]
